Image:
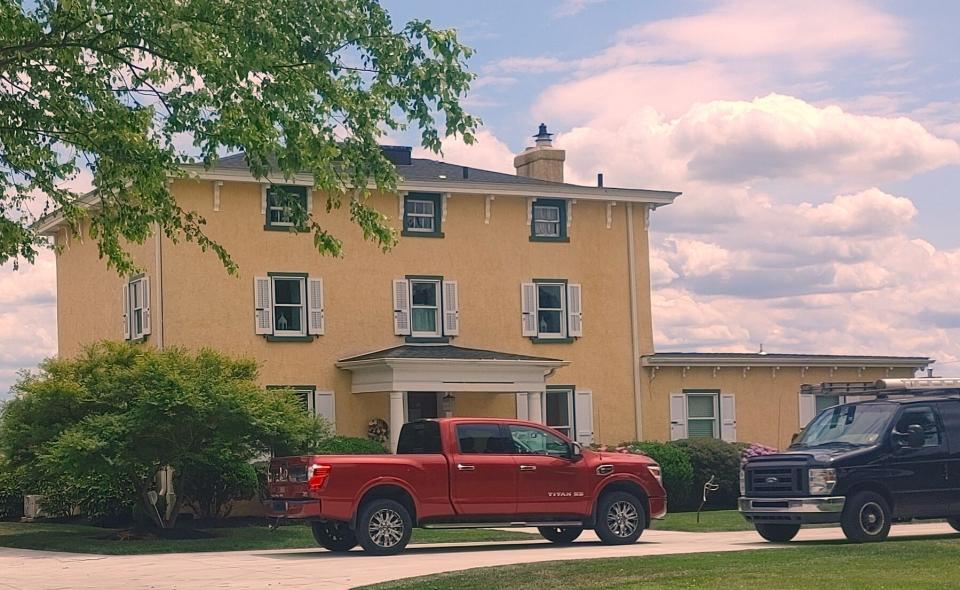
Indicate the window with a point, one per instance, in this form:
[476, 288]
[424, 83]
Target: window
[422, 214]
[528, 440]
[548, 220]
[281, 200]
[136, 308]
[822, 402]
[420, 438]
[482, 439]
[425, 308]
[289, 306]
[315, 403]
[702, 416]
[558, 412]
[926, 419]
[551, 305]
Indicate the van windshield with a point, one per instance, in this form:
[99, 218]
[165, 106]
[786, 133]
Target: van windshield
[851, 425]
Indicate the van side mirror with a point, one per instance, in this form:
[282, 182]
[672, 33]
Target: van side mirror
[915, 436]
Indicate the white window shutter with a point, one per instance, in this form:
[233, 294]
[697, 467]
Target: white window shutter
[808, 408]
[144, 284]
[309, 200]
[678, 417]
[528, 316]
[401, 307]
[451, 309]
[263, 303]
[324, 404]
[728, 418]
[523, 412]
[315, 312]
[583, 416]
[263, 199]
[125, 293]
[575, 311]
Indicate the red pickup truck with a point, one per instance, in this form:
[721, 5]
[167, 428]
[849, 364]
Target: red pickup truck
[468, 473]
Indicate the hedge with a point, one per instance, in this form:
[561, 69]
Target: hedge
[349, 445]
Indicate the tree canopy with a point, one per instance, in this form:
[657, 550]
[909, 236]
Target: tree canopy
[132, 91]
[93, 432]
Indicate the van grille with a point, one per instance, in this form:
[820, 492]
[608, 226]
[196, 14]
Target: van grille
[769, 480]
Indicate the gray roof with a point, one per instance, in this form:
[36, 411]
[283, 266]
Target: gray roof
[709, 358]
[426, 170]
[444, 352]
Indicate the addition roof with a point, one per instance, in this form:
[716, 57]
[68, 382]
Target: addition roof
[712, 359]
[441, 352]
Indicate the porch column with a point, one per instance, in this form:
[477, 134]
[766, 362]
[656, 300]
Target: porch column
[396, 418]
[534, 409]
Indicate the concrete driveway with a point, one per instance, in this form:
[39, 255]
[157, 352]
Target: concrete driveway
[315, 568]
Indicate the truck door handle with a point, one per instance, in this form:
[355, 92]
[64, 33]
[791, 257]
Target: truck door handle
[462, 467]
[528, 468]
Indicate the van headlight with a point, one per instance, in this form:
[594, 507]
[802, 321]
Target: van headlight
[822, 481]
[743, 482]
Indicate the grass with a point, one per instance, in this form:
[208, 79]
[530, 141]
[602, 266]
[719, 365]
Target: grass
[710, 522]
[897, 563]
[75, 538]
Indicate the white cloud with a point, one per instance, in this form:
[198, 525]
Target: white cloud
[488, 153]
[28, 324]
[572, 7]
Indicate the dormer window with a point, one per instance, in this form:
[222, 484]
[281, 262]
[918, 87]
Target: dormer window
[548, 220]
[421, 215]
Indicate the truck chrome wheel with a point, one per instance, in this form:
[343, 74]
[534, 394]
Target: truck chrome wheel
[622, 519]
[871, 518]
[386, 528]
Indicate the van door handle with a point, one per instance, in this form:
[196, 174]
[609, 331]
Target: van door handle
[528, 468]
[462, 467]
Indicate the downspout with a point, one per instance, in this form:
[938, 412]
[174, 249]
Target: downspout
[159, 282]
[634, 322]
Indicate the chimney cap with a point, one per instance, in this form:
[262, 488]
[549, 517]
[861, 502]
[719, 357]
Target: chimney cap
[542, 133]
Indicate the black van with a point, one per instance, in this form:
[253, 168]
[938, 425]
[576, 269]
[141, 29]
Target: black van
[865, 465]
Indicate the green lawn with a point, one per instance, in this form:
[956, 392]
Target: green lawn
[927, 563]
[710, 522]
[87, 539]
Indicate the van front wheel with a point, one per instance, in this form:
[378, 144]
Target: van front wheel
[954, 521]
[778, 533]
[866, 518]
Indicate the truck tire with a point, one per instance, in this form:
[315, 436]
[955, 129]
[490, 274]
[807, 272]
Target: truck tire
[777, 533]
[384, 527]
[954, 521]
[334, 536]
[621, 518]
[866, 518]
[561, 535]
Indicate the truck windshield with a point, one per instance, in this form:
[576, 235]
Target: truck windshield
[851, 425]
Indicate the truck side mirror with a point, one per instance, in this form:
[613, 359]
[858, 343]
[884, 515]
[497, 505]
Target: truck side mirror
[915, 436]
[576, 451]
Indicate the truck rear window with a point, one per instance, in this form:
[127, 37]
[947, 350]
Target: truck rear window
[419, 438]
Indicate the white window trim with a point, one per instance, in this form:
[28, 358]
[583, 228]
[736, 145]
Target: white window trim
[562, 310]
[716, 411]
[282, 209]
[570, 428]
[302, 305]
[558, 221]
[438, 309]
[432, 216]
[141, 285]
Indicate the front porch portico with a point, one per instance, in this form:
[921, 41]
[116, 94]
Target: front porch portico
[446, 369]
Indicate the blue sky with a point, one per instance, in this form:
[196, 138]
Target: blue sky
[815, 142]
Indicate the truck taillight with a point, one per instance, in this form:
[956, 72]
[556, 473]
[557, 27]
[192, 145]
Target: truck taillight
[317, 476]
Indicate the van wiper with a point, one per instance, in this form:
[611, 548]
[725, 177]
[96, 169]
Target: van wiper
[835, 442]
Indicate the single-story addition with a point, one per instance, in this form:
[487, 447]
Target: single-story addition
[751, 397]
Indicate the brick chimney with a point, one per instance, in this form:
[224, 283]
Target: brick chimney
[541, 161]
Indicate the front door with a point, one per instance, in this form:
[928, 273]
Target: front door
[919, 477]
[550, 484]
[483, 472]
[422, 405]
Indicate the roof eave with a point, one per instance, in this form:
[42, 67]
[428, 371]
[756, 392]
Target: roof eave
[657, 360]
[393, 361]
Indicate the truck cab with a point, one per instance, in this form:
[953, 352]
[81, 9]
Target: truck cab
[893, 457]
[468, 473]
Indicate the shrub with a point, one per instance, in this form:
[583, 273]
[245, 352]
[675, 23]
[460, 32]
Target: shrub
[211, 490]
[11, 492]
[349, 445]
[676, 467]
[713, 457]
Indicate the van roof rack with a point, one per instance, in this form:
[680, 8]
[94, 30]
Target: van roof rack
[886, 387]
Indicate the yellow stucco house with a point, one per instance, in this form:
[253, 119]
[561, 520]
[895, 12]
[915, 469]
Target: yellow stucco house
[507, 295]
